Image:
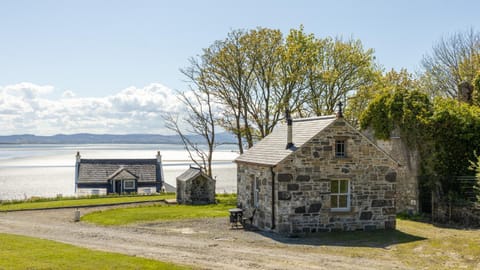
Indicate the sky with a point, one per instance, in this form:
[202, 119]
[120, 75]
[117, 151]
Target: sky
[113, 66]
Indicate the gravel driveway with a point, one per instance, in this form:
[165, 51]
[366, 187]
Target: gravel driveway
[203, 243]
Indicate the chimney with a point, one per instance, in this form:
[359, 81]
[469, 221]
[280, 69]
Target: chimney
[289, 129]
[340, 112]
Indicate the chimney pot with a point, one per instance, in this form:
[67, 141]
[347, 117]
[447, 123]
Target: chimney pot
[289, 129]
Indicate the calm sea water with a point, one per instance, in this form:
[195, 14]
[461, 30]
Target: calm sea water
[47, 170]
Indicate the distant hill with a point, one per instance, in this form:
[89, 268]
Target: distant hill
[84, 138]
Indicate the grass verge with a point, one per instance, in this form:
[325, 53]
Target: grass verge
[78, 202]
[20, 252]
[414, 245]
[122, 216]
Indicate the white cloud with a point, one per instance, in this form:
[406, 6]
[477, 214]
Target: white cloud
[68, 94]
[25, 109]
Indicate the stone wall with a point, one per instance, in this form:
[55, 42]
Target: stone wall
[199, 190]
[407, 187]
[262, 212]
[302, 186]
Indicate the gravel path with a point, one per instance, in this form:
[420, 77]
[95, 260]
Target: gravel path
[205, 243]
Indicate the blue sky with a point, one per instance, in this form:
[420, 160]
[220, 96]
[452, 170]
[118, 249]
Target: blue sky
[99, 49]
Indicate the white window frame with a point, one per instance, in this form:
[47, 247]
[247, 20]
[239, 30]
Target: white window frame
[338, 193]
[128, 181]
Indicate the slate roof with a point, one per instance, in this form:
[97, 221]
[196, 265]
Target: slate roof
[191, 173]
[101, 170]
[271, 149]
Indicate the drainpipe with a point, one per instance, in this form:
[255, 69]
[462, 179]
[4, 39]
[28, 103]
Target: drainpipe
[77, 167]
[159, 163]
[273, 198]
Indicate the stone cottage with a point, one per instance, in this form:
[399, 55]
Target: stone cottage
[317, 174]
[195, 187]
[107, 176]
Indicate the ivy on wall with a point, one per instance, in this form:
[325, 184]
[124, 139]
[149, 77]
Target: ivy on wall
[446, 132]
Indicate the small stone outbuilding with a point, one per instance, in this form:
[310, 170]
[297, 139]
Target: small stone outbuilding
[317, 174]
[195, 187]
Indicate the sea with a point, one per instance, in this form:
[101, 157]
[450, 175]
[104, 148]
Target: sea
[48, 170]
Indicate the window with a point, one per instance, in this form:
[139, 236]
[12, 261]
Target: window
[340, 149]
[129, 184]
[340, 195]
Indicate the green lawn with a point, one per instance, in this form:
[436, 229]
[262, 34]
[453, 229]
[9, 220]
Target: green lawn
[416, 245]
[122, 216]
[20, 252]
[76, 202]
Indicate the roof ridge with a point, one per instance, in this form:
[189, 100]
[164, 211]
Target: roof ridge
[313, 118]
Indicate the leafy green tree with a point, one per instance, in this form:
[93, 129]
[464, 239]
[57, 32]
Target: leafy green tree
[400, 106]
[475, 166]
[455, 129]
[382, 83]
[341, 69]
[476, 89]
[256, 75]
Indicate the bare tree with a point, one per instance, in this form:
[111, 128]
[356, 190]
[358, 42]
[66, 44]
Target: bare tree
[451, 62]
[201, 120]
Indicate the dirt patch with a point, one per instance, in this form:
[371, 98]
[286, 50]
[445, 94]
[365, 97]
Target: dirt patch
[204, 243]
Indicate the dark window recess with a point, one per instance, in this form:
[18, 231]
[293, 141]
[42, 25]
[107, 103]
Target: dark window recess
[340, 149]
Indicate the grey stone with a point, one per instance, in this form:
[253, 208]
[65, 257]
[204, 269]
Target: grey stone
[388, 211]
[292, 187]
[284, 195]
[315, 207]
[381, 203]
[300, 210]
[366, 215]
[303, 178]
[285, 177]
[390, 224]
[391, 177]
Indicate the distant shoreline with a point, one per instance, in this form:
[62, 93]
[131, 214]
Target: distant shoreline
[87, 138]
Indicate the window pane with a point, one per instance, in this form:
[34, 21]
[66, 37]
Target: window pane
[343, 186]
[333, 201]
[340, 148]
[334, 186]
[342, 201]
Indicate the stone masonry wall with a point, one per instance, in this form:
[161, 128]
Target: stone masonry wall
[303, 185]
[407, 199]
[262, 213]
[199, 190]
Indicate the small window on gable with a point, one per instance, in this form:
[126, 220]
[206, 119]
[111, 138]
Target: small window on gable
[340, 195]
[340, 149]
